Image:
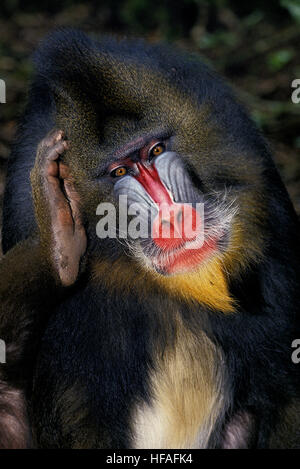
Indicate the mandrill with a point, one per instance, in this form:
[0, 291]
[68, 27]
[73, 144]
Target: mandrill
[177, 335]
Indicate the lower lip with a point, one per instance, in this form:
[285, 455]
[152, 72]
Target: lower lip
[187, 259]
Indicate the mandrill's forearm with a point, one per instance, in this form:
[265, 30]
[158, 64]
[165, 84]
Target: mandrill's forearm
[27, 291]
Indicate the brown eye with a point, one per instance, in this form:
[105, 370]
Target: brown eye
[156, 150]
[119, 172]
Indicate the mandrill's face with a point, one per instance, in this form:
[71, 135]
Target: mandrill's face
[175, 227]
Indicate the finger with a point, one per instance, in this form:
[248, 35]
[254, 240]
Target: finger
[54, 152]
[53, 137]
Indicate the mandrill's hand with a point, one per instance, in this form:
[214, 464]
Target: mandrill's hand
[56, 200]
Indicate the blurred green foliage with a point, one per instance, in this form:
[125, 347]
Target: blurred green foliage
[173, 19]
[278, 59]
[293, 6]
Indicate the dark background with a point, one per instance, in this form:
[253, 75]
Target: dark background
[255, 45]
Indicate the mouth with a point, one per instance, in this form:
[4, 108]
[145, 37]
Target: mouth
[185, 258]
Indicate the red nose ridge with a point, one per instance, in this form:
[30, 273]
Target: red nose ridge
[150, 180]
[174, 225]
